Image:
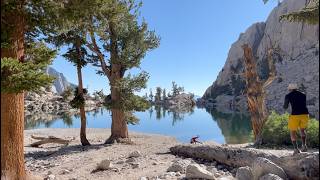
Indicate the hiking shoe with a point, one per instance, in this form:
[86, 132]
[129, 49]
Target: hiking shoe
[296, 151]
[304, 149]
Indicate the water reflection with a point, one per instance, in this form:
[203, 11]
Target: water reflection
[175, 114]
[208, 123]
[235, 127]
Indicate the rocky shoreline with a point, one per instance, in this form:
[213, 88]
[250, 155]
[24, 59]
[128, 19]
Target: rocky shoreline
[48, 105]
[149, 157]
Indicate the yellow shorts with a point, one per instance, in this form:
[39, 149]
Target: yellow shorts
[298, 121]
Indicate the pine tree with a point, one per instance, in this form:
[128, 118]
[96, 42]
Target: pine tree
[76, 54]
[126, 42]
[164, 94]
[151, 95]
[23, 59]
[174, 89]
[158, 94]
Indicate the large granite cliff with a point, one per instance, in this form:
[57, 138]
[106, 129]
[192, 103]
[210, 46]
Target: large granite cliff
[60, 83]
[297, 61]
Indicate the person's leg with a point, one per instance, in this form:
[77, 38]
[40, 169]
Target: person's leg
[303, 126]
[293, 125]
[293, 137]
[303, 139]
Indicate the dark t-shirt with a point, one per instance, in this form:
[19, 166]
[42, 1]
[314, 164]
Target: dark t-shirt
[298, 102]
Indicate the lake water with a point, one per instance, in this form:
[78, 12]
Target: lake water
[207, 123]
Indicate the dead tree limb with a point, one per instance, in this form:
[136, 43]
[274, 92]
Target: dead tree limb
[300, 166]
[50, 139]
[256, 90]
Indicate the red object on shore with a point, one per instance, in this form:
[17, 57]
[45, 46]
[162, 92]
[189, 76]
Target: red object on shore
[194, 140]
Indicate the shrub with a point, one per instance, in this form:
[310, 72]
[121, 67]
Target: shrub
[276, 132]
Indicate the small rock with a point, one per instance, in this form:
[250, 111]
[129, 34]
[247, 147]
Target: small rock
[270, 176]
[154, 163]
[196, 171]
[135, 165]
[50, 177]
[212, 169]
[220, 167]
[130, 160]
[214, 163]
[226, 178]
[49, 172]
[65, 171]
[244, 173]
[179, 166]
[120, 162]
[143, 178]
[178, 174]
[171, 173]
[262, 166]
[134, 154]
[104, 165]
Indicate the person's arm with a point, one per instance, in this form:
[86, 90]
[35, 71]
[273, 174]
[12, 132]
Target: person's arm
[286, 102]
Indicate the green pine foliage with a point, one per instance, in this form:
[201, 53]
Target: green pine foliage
[38, 19]
[129, 101]
[30, 75]
[276, 133]
[78, 100]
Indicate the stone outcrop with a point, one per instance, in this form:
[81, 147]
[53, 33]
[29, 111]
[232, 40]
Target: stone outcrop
[60, 83]
[181, 103]
[244, 173]
[296, 59]
[46, 104]
[300, 166]
[195, 171]
[263, 166]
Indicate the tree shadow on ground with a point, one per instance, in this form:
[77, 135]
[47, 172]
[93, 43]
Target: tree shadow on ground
[44, 153]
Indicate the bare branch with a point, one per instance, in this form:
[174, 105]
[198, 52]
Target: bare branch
[106, 69]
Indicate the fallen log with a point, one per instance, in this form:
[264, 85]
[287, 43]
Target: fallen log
[300, 166]
[50, 139]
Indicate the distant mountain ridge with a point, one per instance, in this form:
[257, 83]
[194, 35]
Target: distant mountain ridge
[296, 62]
[61, 83]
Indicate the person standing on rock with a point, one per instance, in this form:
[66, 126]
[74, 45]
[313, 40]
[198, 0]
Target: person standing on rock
[299, 116]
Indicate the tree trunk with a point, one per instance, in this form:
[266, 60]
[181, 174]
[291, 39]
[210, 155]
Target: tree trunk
[119, 127]
[83, 136]
[256, 90]
[300, 166]
[12, 105]
[255, 94]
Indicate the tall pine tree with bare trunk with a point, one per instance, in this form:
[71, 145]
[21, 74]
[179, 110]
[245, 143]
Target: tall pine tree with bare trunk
[23, 59]
[117, 32]
[76, 54]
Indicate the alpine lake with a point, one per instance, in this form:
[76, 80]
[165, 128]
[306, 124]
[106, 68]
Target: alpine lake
[208, 124]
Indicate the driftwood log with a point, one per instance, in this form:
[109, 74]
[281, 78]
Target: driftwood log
[301, 166]
[50, 139]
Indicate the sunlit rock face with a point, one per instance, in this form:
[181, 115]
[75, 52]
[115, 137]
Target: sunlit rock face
[60, 84]
[297, 61]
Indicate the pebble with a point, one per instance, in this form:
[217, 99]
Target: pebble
[130, 160]
[65, 171]
[135, 165]
[170, 173]
[120, 162]
[135, 154]
[220, 167]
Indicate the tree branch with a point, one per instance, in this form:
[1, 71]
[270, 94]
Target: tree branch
[106, 69]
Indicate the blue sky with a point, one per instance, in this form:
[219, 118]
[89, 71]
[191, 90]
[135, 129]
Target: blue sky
[195, 39]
